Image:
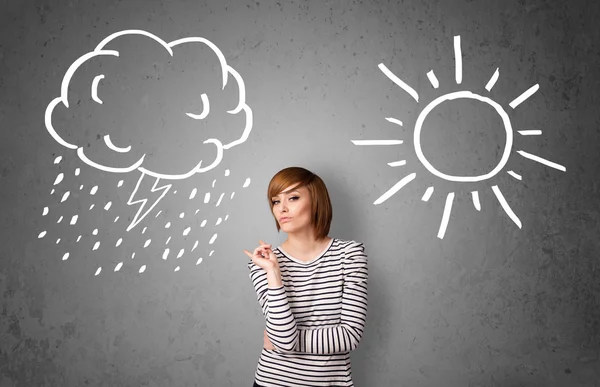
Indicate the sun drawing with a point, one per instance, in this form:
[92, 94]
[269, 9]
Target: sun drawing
[417, 141]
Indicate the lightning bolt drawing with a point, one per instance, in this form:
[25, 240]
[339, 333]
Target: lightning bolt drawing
[138, 218]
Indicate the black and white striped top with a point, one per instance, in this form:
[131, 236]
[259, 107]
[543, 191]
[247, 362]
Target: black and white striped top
[315, 319]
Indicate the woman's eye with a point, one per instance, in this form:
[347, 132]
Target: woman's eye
[276, 201]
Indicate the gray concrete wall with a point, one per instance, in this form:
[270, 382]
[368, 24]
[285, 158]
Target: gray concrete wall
[488, 304]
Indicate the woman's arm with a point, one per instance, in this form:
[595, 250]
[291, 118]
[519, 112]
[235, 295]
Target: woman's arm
[345, 336]
[280, 322]
[338, 339]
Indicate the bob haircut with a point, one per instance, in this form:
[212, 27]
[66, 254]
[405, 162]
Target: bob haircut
[321, 209]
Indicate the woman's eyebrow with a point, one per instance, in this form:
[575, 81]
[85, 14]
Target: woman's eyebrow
[288, 192]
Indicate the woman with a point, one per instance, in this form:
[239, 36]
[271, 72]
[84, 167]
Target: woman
[312, 289]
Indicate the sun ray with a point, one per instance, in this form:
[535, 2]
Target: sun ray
[377, 142]
[476, 202]
[427, 194]
[515, 175]
[505, 206]
[399, 82]
[446, 216]
[458, 58]
[517, 101]
[395, 188]
[397, 163]
[542, 161]
[433, 79]
[530, 132]
[394, 120]
[492, 80]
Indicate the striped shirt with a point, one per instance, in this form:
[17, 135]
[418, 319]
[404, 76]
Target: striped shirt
[315, 319]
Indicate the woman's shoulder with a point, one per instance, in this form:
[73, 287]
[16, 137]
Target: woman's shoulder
[352, 252]
[346, 243]
[349, 247]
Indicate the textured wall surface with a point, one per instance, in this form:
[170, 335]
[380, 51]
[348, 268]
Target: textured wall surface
[503, 298]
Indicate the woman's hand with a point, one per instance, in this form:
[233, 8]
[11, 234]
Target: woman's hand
[267, 343]
[263, 257]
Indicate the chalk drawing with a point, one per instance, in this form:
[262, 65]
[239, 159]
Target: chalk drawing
[463, 94]
[146, 202]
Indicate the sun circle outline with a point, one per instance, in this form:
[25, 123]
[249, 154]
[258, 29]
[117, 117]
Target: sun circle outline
[449, 97]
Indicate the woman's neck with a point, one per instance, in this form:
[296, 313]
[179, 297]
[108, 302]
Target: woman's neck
[305, 245]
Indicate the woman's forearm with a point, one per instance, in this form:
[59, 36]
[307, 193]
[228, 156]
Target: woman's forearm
[274, 278]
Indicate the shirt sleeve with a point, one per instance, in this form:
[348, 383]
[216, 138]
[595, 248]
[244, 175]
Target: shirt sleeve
[280, 323]
[259, 280]
[345, 336]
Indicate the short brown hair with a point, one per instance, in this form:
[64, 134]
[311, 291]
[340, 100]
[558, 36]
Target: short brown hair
[321, 209]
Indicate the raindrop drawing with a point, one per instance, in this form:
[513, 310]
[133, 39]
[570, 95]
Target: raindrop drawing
[128, 156]
[463, 94]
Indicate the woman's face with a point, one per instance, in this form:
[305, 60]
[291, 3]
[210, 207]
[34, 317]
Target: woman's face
[292, 209]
